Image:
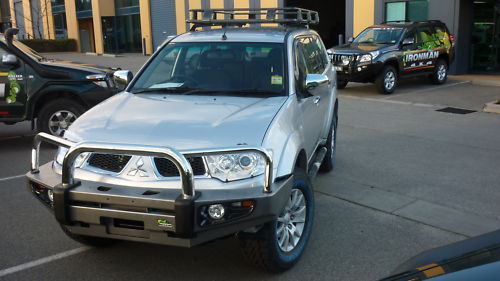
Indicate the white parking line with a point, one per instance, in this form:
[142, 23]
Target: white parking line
[11, 178]
[41, 261]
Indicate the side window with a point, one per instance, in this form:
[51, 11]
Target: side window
[323, 56]
[315, 58]
[301, 66]
[442, 36]
[427, 38]
[411, 34]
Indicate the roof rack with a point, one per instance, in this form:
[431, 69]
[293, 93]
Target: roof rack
[241, 17]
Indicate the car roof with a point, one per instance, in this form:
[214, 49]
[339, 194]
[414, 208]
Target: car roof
[235, 34]
[405, 24]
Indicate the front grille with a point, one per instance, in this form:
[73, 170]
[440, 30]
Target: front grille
[109, 162]
[337, 58]
[167, 168]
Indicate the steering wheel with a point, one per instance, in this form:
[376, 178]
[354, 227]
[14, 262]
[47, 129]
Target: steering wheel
[179, 78]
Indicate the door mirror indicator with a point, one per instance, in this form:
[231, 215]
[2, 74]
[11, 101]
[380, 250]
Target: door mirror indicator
[122, 78]
[313, 81]
[408, 41]
[9, 59]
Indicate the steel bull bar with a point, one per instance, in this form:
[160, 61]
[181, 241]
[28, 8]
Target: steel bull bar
[184, 204]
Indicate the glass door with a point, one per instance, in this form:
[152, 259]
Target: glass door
[485, 36]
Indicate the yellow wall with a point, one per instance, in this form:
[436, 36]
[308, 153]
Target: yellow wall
[180, 16]
[364, 15]
[28, 24]
[145, 9]
[71, 21]
[47, 19]
[12, 13]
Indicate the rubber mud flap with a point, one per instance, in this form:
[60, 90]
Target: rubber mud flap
[184, 216]
[61, 204]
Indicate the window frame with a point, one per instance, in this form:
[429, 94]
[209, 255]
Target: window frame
[406, 2]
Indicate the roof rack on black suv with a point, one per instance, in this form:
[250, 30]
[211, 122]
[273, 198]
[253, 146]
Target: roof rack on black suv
[241, 17]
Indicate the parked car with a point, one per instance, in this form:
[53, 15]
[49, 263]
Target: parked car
[50, 92]
[476, 258]
[384, 53]
[220, 133]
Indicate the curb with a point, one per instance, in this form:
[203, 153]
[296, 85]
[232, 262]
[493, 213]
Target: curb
[492, 107]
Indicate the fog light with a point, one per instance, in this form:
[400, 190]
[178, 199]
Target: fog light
[216, 211]
[50, 194]
[359, 68]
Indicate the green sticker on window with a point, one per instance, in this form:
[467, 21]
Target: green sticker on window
[276, 80]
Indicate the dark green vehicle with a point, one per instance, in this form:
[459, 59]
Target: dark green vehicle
[51, 93]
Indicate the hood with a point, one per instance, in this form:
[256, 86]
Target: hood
[354, 48]
[180, 122]
[80, 68]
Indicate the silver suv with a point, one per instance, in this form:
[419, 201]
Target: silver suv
[219, 134]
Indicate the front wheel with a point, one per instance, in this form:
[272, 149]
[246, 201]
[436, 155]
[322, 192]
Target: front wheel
[387, 80]
[341, 84]
[57, 115]
[440, 74]
[279, 244]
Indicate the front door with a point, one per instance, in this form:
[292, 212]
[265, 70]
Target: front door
[12, 88]
[421, 56]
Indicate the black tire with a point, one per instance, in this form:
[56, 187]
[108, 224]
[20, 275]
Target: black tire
[331, 146]
[341, 84]
[383, 87]
[437, 77]
[89, 240]
[66, 106]
[262, 249]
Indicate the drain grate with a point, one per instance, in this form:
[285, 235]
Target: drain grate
[456, 110]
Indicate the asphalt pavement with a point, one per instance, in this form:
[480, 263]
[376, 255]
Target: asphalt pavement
[408, 178]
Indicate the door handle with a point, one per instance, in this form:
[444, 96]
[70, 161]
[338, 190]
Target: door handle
[317, 100]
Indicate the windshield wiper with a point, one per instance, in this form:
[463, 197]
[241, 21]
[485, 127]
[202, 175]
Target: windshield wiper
[166, 90]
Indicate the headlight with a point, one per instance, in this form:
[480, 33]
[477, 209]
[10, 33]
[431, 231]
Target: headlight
[62, 151]
[365, 58]
[99, 79]
[236, 166]
[375, 54]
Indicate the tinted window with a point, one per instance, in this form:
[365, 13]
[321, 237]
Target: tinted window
[213, 66]
[425, 34]
[379, 35]
[314, 56]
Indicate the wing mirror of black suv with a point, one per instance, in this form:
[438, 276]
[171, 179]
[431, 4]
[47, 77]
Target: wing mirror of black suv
[9, 59]
[350, 40]
[122, 78]
[313, 81]
[408, 41]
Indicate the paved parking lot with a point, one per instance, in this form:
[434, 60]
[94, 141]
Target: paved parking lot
[408, 178]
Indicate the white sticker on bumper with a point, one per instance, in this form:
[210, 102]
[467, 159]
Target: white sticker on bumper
[2, 90]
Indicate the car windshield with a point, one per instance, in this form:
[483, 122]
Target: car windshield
[230, 68]
[379, 35]
[27, 50]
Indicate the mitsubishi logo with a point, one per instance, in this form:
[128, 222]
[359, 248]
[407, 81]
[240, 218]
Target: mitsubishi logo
[138, 169]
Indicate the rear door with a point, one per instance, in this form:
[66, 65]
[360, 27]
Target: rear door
[12, 88]
[421, 56]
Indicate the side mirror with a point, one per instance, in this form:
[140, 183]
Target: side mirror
[315, 80]
[408, 41]
[9, 59]
[122, 78]
[330, 54]
[350, 40]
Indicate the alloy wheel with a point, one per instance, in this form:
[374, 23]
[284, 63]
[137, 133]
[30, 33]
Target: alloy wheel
[291, 222]
[61, 120]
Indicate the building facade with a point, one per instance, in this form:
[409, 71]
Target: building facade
[475, 24]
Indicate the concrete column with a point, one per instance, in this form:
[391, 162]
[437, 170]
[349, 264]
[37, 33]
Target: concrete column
[72, 22]
[28, 23]
[12, 13]
[146, 33]
[47, 19]
[96, 19]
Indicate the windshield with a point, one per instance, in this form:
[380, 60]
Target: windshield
[216, 67]
[27, 50]
[379, 35]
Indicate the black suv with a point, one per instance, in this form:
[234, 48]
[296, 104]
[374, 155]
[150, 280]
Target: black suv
[53, 93]
[383, 53]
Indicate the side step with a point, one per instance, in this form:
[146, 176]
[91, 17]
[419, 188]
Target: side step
[320, 155]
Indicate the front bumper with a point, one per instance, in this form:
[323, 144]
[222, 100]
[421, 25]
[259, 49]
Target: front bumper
[156, 215]
[358, 73]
